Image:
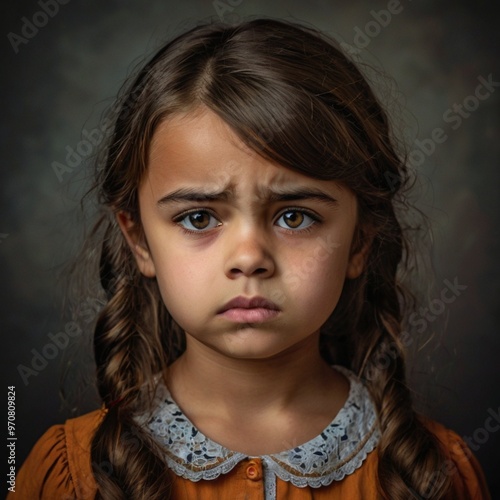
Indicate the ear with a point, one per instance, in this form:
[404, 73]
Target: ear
[361, 245]
[134, 236]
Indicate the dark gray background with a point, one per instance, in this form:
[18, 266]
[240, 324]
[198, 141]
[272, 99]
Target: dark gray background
[60, 80]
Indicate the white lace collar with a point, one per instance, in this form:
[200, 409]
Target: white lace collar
[338, 451]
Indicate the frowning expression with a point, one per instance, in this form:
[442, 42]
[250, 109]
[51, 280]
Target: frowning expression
[250, 257]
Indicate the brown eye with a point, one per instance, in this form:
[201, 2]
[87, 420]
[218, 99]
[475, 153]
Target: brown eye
[296, 219]
[197, 221]
[293, 219]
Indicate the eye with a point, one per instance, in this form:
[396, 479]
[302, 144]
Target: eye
[197, 221]
[295, 219]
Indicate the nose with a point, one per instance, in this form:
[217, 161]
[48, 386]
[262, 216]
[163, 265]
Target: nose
[249, 254]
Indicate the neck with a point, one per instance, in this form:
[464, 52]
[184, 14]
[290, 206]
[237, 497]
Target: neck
[298, 379]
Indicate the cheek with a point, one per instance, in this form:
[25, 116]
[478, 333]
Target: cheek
[183, 280]
[177, 294]
[317, 279]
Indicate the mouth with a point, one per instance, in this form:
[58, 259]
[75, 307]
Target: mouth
[249, 310]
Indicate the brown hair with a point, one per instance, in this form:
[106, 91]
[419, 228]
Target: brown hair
[290, 94]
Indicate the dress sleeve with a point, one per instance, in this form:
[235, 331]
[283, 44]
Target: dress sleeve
[468, 481]
[45, 474]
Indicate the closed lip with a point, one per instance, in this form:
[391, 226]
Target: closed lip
[248, 303]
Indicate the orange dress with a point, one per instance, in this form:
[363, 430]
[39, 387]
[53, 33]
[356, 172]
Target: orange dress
[341, 463]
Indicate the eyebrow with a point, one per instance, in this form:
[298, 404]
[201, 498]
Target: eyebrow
[190, 194]
[299, 194]
[266, 194]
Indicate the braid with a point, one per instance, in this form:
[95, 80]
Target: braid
[129, 356]
[409, 454]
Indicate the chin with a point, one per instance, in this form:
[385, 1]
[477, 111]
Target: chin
[248, 345]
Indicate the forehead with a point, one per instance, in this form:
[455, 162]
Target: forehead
[199, 148]
[200, 145]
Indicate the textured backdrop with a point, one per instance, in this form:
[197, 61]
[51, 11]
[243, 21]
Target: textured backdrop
[65, 60]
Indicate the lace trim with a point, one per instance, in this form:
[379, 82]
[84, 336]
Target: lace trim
[338, 451]
[269, 482]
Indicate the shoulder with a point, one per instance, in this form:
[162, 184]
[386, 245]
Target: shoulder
[59, 464]
[461, 465]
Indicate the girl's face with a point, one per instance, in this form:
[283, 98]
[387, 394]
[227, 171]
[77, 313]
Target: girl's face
[250, 257]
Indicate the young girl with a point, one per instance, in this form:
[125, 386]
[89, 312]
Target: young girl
[251, 346]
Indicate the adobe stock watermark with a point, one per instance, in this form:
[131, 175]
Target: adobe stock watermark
[58, 342]
[31, 27]
[225, 10]
[83, 150]
[380, 20]
[455, 116]
[462, 454]
[420, 320]
[482, 434]
[91, 140]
